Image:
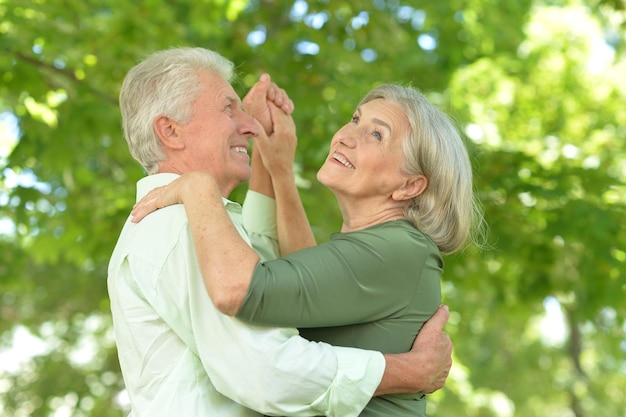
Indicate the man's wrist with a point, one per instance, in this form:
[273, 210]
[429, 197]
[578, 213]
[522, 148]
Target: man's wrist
[402, 375]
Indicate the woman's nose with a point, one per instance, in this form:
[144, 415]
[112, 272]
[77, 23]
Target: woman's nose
[346, 137]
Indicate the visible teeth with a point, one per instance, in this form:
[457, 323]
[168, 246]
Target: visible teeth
[339, 157]
[240, 149]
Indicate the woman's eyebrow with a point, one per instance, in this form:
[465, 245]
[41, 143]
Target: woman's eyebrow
[375, 120]
[382, 123]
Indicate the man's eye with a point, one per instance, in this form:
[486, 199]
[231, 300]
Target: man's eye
[377, 135]
[355, 119]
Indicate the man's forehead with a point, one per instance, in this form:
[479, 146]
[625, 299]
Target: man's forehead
[225, 94]
[221, 89]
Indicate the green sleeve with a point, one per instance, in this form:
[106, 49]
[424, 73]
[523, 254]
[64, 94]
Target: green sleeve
[355, 278]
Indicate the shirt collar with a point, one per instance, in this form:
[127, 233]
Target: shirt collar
[146, 184]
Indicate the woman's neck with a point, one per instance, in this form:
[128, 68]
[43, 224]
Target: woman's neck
[361, 215]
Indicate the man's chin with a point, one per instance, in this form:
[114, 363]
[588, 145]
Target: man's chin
[245, 176]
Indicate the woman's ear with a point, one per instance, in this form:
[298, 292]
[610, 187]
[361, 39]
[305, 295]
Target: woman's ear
[412, 187]
[167, 131]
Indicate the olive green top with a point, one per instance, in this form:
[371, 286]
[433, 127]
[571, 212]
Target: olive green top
[371, 289]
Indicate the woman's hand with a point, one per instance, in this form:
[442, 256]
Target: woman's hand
[278, 149]
[170, 194]
[257, 101]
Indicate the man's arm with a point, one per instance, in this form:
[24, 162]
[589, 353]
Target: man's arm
[342, 375]
[277, 372]
[273, 370]
[426, 367]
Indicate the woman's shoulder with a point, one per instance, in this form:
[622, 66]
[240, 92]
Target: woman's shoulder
[393, 234]
[400, 228]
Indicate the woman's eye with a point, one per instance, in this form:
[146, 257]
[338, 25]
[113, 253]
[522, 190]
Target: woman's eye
[377, 135]
[355, 119]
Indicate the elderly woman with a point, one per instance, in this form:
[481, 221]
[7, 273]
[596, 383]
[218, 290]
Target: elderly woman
[402, 177]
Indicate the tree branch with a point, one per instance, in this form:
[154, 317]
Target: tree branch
[67, 74]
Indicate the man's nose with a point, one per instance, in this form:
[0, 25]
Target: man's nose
[248, 126]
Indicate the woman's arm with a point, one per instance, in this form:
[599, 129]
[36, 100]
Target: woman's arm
[277, 153]
[225, 259]
[303, 289]
[357, 277]
[256, 103]
[272, 162]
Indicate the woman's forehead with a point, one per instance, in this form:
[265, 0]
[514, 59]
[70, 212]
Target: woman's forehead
[384, 111]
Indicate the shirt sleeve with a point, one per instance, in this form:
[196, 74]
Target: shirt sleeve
[271, 370]
[355, 278]
[259, 219]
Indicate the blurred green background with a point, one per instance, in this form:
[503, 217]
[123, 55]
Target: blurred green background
[537, 87]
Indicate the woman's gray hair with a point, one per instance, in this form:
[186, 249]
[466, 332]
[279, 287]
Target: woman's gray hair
[164, 84]
[447, 210]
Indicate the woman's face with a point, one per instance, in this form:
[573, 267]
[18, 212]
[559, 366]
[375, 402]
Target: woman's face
[366, 156]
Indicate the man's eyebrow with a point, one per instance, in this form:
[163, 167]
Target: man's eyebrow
[232, 99]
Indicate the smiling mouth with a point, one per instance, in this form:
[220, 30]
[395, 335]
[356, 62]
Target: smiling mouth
[343, 160]
[240, 149]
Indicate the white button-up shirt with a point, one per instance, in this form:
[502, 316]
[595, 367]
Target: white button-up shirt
[181, 357]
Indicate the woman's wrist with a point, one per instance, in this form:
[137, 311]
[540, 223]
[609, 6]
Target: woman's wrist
[194, 181]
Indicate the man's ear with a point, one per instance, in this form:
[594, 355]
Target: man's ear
[413, 186]
[167, 130]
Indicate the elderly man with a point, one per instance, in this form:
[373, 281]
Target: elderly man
[178, 354]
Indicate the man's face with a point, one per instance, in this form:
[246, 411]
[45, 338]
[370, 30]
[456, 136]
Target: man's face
[216, 135]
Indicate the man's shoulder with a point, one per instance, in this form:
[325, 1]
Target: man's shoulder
[155, 237]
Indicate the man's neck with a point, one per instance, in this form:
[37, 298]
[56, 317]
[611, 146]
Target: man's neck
[165, 168]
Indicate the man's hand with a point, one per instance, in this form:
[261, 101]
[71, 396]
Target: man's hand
[426, 367]
[433, 349]
[260, 95]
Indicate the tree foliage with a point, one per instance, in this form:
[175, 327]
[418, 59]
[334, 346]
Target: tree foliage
[536, 86]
